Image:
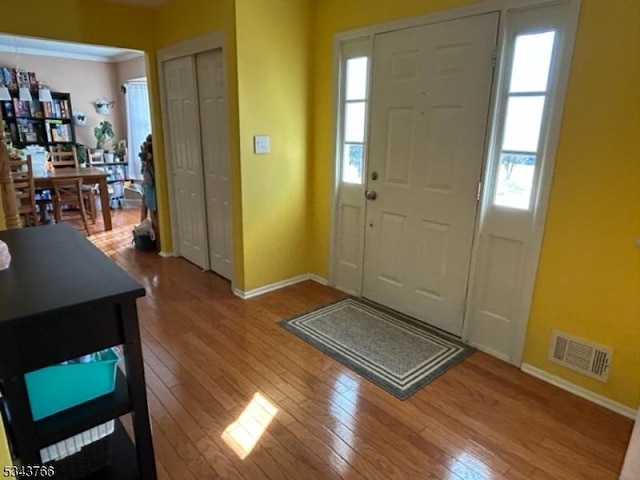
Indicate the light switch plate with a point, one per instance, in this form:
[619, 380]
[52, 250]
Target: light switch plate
[261, 144]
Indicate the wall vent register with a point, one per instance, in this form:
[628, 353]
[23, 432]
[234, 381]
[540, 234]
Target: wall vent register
[580, 355]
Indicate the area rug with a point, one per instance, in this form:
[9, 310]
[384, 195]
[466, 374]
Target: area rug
[396, 352]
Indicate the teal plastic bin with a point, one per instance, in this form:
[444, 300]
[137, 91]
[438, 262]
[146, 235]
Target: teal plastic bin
[56, 388]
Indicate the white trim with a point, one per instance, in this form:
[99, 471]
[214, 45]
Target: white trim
[318, 279]
[435, 17]
[579, 391]
[487, 350]
[164, 254]
[341, 52]
[278, 285]
[203, 43]
[88, 57]
[553, 126]
[123, 57]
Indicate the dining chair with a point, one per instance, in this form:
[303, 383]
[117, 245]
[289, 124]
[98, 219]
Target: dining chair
[21, 172]
[64, 157]
[67, 157]
[67, 192]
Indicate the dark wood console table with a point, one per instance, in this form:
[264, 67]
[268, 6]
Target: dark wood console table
[62, 298]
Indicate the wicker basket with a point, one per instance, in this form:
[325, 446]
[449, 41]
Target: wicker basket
[90, 459]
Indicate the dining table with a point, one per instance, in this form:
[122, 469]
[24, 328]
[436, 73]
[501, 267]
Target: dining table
[89, 176]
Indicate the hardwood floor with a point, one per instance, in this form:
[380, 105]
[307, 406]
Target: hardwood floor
[208, 354]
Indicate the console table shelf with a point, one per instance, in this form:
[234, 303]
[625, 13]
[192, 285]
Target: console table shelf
[63, 298]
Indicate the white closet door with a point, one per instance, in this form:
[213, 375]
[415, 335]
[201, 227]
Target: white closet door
[215, 154]
[186, 159]
[431, 88]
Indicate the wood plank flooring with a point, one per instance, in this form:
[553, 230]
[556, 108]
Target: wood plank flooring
[208, 353]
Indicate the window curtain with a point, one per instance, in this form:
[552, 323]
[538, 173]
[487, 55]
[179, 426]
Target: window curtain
[138, 123]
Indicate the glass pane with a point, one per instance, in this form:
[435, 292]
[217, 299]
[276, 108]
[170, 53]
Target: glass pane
[357, 78]
[531, 62]
[352, 163]
[515, 179]
[522, 124]
[354, 122]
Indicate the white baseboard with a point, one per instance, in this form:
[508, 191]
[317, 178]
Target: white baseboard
[166, 254]
[579, 391]
[278, 285]
[318, 279]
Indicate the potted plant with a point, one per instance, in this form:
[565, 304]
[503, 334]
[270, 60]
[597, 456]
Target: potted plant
[103, 133]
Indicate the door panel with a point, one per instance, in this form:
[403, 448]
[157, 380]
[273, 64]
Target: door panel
[186, 158]
[430, 100]
[211, 93]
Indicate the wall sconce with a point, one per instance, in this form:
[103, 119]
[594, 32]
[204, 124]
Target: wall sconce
[103, 106]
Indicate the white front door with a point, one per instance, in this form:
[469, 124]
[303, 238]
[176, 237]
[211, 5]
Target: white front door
[431, 89]
[211, 94]
[186, 159]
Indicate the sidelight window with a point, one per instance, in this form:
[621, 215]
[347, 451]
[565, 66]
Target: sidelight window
[354, 110]
[523, 119]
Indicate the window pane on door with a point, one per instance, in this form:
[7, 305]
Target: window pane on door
[531, 62]
[353, 155]
[354, 122]
[515, 178]
[357, 78]
[522, 125]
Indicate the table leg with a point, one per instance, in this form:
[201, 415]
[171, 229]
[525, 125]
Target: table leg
[104, 202]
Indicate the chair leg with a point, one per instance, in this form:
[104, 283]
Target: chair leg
[92, 206]
[83, 214]
[57, 214]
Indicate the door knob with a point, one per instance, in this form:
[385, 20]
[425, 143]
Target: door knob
[370, 195]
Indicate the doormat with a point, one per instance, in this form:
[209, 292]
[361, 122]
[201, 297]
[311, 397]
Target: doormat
[394, 351]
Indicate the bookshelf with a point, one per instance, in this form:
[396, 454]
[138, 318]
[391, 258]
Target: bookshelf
[118, 171]
[49, 124]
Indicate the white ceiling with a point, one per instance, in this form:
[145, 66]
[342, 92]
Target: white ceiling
[79, 51]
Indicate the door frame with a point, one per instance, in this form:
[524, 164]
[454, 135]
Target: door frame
[531, 260]
[194, 46]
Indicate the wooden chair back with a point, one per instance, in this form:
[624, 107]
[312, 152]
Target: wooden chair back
[67, 192]
[64, 158]
[21, 172]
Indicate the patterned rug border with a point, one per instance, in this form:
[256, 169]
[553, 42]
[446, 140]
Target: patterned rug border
[364, 371]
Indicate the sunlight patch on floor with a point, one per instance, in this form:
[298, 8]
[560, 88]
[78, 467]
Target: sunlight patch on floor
[243, 434]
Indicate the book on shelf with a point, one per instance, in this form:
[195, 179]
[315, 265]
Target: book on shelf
[7, 109]
[46, 109]
[27, 131]
[35, 108]
[9, 77]
[23, 78]
[33, 81]
[21, 109]
[60, 132]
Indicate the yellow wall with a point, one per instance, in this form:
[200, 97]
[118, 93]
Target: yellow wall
[589, 278]
[96, 22]
[273, 67]
[267, 83]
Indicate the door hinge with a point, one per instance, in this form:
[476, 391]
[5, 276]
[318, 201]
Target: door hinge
[494, 57]
[479, 192]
